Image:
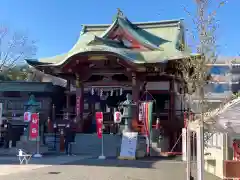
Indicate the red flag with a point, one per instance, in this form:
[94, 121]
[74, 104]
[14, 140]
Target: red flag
[34, 126]
[99, 123]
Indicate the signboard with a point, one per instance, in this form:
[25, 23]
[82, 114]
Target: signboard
[184, 144]
[99, 123]
[117, 117]
[141, 115]
[129, 145]
[27, 117]
[34, 126]
[1, 112]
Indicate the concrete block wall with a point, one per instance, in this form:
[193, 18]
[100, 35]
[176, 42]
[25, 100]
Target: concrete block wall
[90, 144]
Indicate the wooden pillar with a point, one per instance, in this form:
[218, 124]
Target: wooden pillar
[172, 137]
[68, 102]
[79, 102]
[135, 94]
[172, 100]
[68, 99]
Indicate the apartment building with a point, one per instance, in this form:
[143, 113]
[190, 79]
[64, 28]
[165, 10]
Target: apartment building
[225, 78]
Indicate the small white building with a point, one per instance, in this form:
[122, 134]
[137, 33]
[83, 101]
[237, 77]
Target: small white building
[221, 134]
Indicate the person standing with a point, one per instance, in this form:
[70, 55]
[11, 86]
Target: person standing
[67, 140]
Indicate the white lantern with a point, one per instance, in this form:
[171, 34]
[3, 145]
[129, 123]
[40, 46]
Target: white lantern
[117, 117]
[92, 91]
[121, 91]
[27, 116]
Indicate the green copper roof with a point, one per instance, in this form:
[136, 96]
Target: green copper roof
[163, 38]
[26, 86]
[122, 21]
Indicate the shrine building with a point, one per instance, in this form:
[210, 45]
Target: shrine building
[111, 60]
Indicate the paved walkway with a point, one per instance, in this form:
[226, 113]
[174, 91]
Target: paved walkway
[10, 165]
[92, 169]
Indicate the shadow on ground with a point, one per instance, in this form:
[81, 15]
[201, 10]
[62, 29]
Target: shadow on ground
[56, 159]
[147, 162]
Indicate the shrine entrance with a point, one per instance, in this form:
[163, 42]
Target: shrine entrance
[109, 61]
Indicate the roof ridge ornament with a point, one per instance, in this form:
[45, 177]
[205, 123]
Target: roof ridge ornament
[119, 13]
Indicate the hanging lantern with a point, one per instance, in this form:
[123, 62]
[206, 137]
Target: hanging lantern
[92, 91]
[121, 91]
[158, 123]
[101, 92]
[111, 94]
[117, 117]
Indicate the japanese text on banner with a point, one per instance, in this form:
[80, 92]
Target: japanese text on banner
[34, 126]
[99, 123]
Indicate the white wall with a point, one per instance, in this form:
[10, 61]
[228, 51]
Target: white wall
[215, 154]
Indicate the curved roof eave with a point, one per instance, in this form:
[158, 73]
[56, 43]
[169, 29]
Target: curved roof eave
[129, 57]
[34, 62]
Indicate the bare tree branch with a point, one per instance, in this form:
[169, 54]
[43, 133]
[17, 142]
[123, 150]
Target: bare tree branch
[14, 48]
[196, 69]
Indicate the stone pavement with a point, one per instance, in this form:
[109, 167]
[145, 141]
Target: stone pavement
[10, 165]
[111, 169]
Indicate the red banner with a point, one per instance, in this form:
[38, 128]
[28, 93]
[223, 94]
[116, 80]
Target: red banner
[34, 126]
[99, 123]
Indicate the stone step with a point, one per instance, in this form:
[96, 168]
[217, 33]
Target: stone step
[140, 153]
[155, 145]
[9, 151]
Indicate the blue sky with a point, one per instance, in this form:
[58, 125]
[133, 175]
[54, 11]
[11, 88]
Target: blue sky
[56, 24]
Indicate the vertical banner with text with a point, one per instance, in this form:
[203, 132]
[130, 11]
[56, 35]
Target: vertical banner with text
[78, 105]
[34, 127]
[99, 123]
